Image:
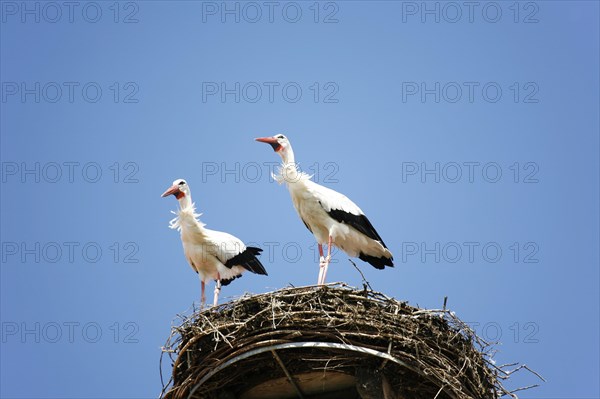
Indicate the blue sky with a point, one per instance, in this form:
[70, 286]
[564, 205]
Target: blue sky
[468, 136]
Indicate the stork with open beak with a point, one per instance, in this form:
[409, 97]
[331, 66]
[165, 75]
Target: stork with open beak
[212, 254]
[330, 216]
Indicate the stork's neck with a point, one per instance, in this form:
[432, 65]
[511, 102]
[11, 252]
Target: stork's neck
[287, 155]
[185, 202]
[187, 219]
[289, 169]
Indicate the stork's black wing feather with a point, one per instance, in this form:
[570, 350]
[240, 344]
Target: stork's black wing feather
[248, 261]
[359, 222]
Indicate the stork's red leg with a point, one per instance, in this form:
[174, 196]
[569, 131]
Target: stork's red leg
[202, 296]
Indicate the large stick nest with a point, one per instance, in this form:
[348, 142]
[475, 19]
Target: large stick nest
[420, 354]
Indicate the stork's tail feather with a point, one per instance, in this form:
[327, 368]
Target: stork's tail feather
[225, 282]
[378, 263]
[248, 261]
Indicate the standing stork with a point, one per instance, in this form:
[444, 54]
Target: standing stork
[330, 216]
[212, 254]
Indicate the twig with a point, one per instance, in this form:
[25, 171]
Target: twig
[364, 280]
[524, 388]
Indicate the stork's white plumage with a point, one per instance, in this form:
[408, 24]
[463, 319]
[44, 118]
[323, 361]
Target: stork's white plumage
[332, 217]
[212, 254]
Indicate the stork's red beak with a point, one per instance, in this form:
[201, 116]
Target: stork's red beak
[272, 141]
[173, 190]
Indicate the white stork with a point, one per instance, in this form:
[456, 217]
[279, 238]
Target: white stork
[330, 216]
[212, 254]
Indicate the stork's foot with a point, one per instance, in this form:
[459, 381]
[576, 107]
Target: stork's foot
[323, 265]
[216, 297]
[322, 262]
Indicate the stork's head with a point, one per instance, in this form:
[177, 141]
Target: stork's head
[281, 145]
[179, 189]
